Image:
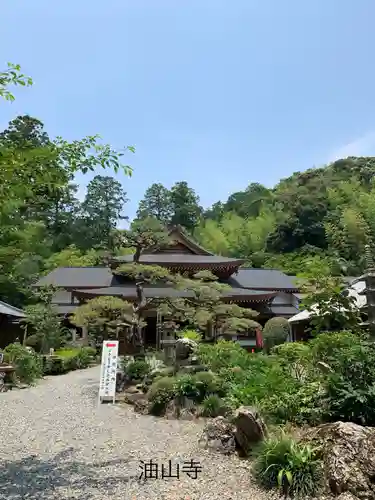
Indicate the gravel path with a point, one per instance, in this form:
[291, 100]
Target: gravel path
[56, 443]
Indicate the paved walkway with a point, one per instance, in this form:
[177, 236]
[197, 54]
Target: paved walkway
[56, 443]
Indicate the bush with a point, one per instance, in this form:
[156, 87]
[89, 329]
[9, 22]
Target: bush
[161, 392]
[275, 332]
[350, 389]
[28, 364]
[186, 385]
[83, 358]
[283, 463]
[55, 365]
[137, 370]
[224, 354]
[66, 360]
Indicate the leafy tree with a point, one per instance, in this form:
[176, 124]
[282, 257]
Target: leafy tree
[156, 203]
[12, 76]
[330, 306]
[215, 212]
[186, 211]
[45, 325]
[72, 257]
[143, 235]
[106, 317]
[248, 203]
[101, 210]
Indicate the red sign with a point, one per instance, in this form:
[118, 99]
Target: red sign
[110, 345]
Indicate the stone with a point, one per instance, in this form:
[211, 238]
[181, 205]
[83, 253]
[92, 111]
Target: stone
[172, 410]
[131, 399]
[192, 369]
[250, 428]
[188, 413]
[348, 453]
[122, 381]
[184, 348]
[132, 389]
[218, 436]
[142, 406]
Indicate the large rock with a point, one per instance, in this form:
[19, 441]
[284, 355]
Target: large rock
[348, 452]
[184, 348]
[218, 435]
[142, 406]
[250, 428]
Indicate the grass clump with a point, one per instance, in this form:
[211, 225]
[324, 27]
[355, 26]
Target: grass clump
[292, 467]
[212, 406]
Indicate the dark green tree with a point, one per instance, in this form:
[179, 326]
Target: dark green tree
[186, 211]
[156, 203]
[101, 210]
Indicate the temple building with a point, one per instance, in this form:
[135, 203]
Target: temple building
[268, 291]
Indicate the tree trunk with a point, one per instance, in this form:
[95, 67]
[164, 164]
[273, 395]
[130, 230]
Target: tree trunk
[85, 336]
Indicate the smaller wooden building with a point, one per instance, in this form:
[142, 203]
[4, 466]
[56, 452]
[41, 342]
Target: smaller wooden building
[10, 326]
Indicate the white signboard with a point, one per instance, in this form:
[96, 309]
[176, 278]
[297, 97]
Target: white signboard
[108, 370]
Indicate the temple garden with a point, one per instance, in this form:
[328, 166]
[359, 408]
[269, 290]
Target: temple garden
[301, 413]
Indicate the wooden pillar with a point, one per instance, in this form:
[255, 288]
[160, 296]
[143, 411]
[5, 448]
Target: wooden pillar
[159, 320]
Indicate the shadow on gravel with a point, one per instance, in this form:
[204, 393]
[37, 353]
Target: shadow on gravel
[33, 478]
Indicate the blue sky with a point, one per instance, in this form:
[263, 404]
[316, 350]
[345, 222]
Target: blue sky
[215, 92]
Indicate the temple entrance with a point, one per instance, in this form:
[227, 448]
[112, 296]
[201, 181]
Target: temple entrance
[150, 332]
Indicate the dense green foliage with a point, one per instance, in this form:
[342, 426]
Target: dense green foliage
[137, 370]
[31, 366]
[28, 364]
[328, 378]
[318, 220]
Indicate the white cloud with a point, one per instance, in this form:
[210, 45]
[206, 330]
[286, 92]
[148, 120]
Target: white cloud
[362, 146]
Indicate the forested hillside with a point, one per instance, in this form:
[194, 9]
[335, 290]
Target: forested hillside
[316, 220]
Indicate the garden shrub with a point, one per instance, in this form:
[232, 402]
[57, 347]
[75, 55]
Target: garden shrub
[66, 360]
[295, 358]
[83, 358]
[137, 370]
[28, 364]
[55, 365]
[209, 382]
[275, 332]
[160, 393]
[197, 386]
[223, 354]
[350, 389]
[295, 468]
[186, 385]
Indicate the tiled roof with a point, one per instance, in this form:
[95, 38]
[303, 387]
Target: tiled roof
[11, 310]
[180, 258]
[65, 308]
[265, 279]
[284, 310]
[78, 277]
[154, 292]
[100, 277]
